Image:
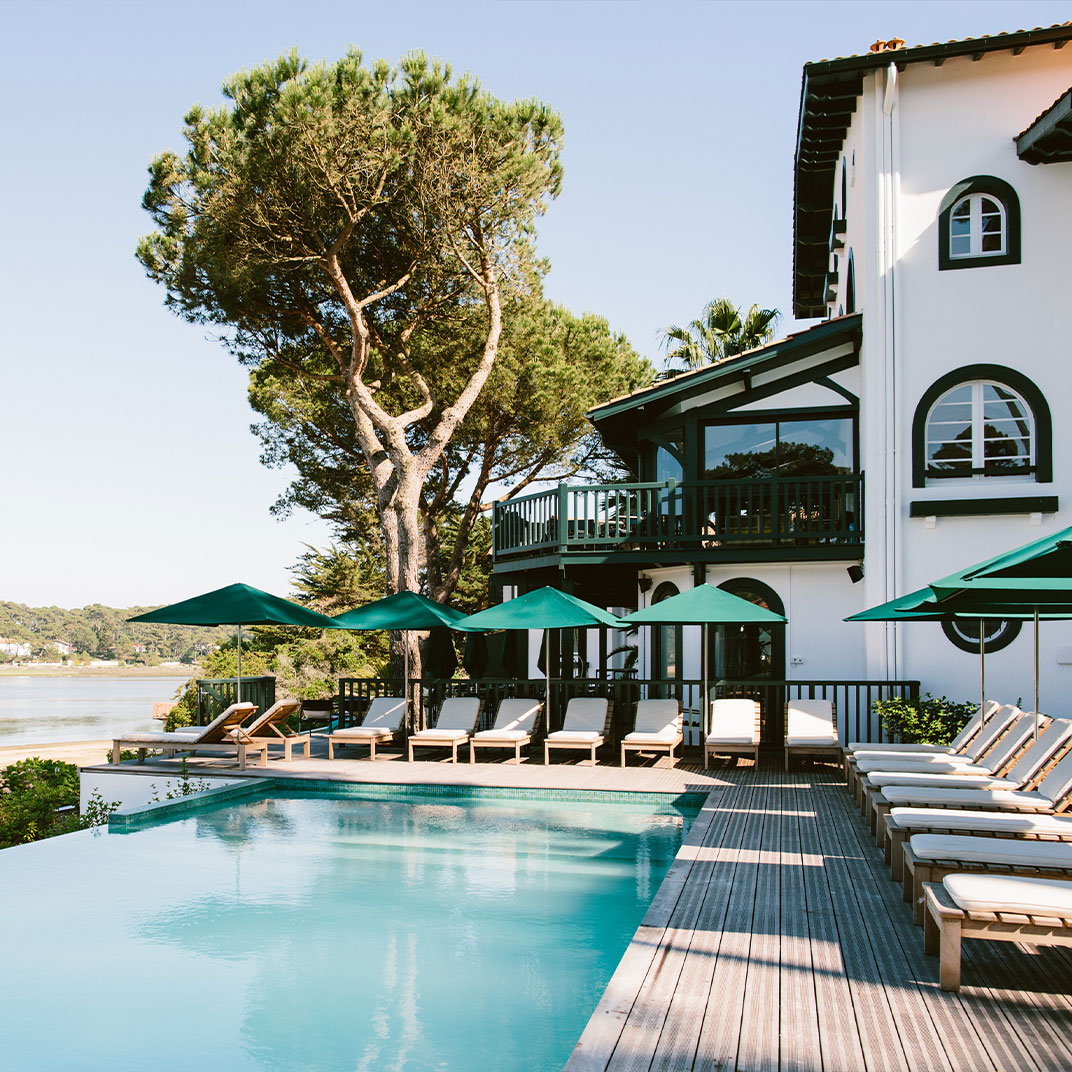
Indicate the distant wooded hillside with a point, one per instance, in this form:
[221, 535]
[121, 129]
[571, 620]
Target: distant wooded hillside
[101, 633]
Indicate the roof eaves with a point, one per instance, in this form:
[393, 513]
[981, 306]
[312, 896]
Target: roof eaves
[1049, 137]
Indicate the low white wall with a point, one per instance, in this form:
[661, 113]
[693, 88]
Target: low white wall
[132, 788]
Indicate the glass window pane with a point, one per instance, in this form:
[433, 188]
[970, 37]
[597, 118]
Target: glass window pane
[989, 207]
[739, 450]
[815, 448]
[668, 464]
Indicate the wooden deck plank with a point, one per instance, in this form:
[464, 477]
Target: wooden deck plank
[720, 1031]
[760, 1016]
[680, 1037]
[972, 1036]
[800, 1049]
[916, 1032]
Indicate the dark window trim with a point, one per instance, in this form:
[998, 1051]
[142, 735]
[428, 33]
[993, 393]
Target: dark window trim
[1026, 388]
[1000, 190]
[664, 590]
[1039, 504]
[850, 286]
[1010, 630]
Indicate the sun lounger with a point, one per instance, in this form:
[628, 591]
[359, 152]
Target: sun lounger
[215, 737]
[1034, 911]
[657, 728]
[1030, 763]
[272, 728]
[458, 719]
[902, 823]
[585, 727]
[1013, 765]
[382, 724]
[1051, 797]
[734, 730]
[810, 729]
[515, 726]
[865, 763]
[971, 752]
[930, 857]
[971, 727]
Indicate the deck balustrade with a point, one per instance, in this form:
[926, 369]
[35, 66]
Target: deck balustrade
[775, 512]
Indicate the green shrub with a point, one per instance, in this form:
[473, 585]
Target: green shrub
[927, 720]
[30, 792]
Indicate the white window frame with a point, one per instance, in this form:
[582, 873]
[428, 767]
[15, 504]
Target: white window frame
[975, 227]
[978, 446]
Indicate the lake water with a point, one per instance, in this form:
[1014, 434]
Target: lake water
[40, 710]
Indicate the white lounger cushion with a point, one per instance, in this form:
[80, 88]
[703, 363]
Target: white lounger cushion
[656, 720]
[457, 713]
[501, 735]
[1009, 799]
[878, 748]
[883, 779]
[514, 715]
[992, 850]
[580, 736]
[440, 735]
[990, 821]
[810, 724]
[1004, 893]
[732, 722]
[583, 715]
[666, 736]
[363, 733]
[866, 764]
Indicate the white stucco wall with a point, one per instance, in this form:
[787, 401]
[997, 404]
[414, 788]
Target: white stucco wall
[949, 123]
[130, 788]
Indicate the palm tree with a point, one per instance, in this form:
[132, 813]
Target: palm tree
[721, 332]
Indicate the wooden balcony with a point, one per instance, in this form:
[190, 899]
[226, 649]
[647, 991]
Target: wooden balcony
[732, 520]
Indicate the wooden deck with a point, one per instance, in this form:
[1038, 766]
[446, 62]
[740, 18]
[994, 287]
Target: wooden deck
[778, 941]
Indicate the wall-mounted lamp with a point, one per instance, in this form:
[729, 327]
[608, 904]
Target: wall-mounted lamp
[644, 582]
[856, 573]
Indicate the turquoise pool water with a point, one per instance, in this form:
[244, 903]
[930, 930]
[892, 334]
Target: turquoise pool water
[311, 932]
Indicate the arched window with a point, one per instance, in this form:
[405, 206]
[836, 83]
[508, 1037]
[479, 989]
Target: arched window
[979, 224]
[850, 287]
[981, 422]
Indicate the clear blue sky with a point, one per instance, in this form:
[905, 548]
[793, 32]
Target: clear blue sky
[128, 473]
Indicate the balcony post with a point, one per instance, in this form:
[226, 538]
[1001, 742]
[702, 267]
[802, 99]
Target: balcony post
[563, 524]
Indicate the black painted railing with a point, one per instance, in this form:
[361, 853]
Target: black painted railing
[853, 700]
[767, 512]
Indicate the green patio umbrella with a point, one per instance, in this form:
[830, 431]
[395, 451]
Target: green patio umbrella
[237, 604]
[402, 612]
[922, 606]
[545, 608]
[704, 605]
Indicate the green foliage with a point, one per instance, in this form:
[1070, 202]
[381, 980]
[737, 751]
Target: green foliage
[31, 791]
[97, 811]
[184, 787]
[721, 332]
[928, 720]
[103, 632]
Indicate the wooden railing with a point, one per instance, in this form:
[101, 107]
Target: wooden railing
[853, 700]
[215, 695]
[768, 512]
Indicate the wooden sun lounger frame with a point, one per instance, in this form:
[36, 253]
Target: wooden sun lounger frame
[946, 925]
[917, 872]
[717, 748]
[580, 746]
[833, 749]
[897, 838]
[453, 743]
[239, 744]
[517, 744]
[657, 746]
[278, 732]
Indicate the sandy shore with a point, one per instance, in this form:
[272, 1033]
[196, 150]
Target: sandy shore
[31, 670]
[82, 753]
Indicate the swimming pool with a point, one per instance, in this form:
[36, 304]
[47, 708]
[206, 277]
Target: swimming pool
[328, 931]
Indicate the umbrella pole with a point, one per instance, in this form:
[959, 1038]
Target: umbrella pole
[238, 684]
[405, 672]
[982, 667]
[1036, 672]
